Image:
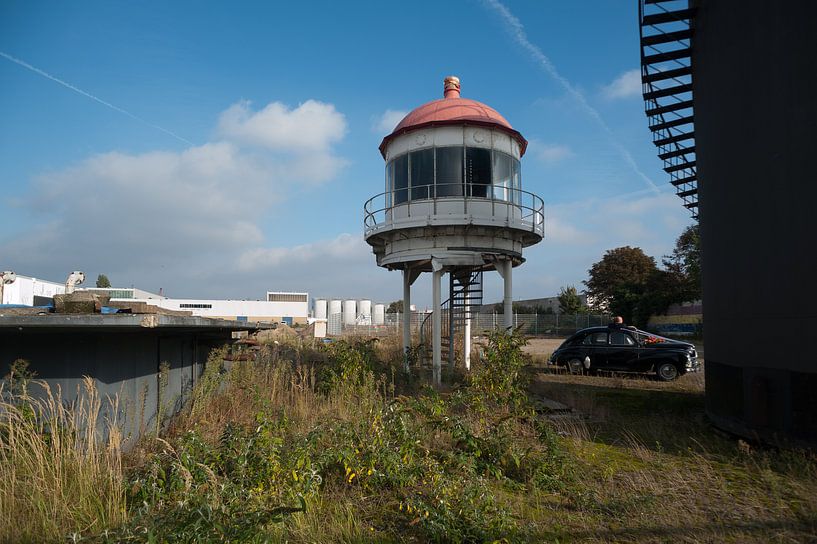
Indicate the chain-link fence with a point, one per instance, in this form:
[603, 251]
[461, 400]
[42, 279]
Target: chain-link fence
[540, 324]
[393, 324]
[533, 324]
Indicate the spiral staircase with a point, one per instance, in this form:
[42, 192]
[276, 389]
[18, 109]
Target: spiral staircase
[666, 77]
[464, 302]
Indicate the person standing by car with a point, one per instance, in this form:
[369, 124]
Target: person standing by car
[618, 323]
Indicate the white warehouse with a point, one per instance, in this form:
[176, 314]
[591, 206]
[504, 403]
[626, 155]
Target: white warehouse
[279, 307]
[26, 291]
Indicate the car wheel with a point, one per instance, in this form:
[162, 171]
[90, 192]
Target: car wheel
[666, 372]
[575, 366]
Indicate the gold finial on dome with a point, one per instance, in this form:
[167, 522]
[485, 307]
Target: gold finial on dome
[451, 87]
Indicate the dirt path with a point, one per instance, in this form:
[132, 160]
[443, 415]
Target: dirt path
[541, 348]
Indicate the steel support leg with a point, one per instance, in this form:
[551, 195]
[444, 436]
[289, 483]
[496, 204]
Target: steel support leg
[406, 317]
[508, 298]
[436, 327]
[466, 339]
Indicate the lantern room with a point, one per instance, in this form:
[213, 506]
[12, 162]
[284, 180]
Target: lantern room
[452, 202]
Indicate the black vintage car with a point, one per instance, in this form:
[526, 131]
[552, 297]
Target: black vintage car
[625, 349]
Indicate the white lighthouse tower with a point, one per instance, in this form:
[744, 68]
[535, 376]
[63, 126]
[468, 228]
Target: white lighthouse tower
[453, 203]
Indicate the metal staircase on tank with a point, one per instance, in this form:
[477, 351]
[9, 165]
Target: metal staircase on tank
[666, 77]
[464, 302]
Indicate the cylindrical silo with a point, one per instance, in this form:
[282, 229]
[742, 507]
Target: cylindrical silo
[364, 312]
[755, 147]
[364, 309]
[334, 317]
[379, 314]
[320, 308]
[349, 312]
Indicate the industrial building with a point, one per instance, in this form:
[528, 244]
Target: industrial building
[286, 307]
[124, 293]
[279, 307]
[27, 291]
[730, 96]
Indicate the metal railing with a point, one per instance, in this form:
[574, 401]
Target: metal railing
[514, 207]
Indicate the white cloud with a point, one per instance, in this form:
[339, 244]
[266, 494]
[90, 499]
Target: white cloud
[345, 247]
[549, 153]
[636, 219]
[302, 136]
[624, 86]
[387, 121]
[146, 210]
[565, 231]
[312, 126]
[184, 220]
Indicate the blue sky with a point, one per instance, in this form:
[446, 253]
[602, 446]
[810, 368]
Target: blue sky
[249, 142]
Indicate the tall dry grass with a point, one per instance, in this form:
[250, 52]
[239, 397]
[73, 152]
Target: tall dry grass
[58, 476]
[276, 384]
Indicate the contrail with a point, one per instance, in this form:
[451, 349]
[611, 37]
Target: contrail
[518, 32]
[36, 70]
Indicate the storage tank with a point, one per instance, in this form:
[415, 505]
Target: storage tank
[364, 309]
[335, 308]
[334, 317]
[320, 308]
[379, 314]
[740, 150]
[349, 312]
[757, 194]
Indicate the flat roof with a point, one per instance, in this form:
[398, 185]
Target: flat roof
[123, 322]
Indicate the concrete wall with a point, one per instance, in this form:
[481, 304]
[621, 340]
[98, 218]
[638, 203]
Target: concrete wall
[679, 319]
[123, 363]
[756, 130]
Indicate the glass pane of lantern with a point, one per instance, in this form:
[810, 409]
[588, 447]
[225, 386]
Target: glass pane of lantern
[516, 182]
[478, 171]
[400, 175]
[388, 185]
[422, 173]
[449, 171]
[503, 173]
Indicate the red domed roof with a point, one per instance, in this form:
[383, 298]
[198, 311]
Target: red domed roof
[453, 110]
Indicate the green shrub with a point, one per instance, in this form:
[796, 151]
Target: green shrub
[497, 380]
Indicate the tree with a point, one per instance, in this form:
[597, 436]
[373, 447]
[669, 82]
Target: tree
[395, 307]
[619, 278]
[102, 281]
[685, 265]
[570, 302]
